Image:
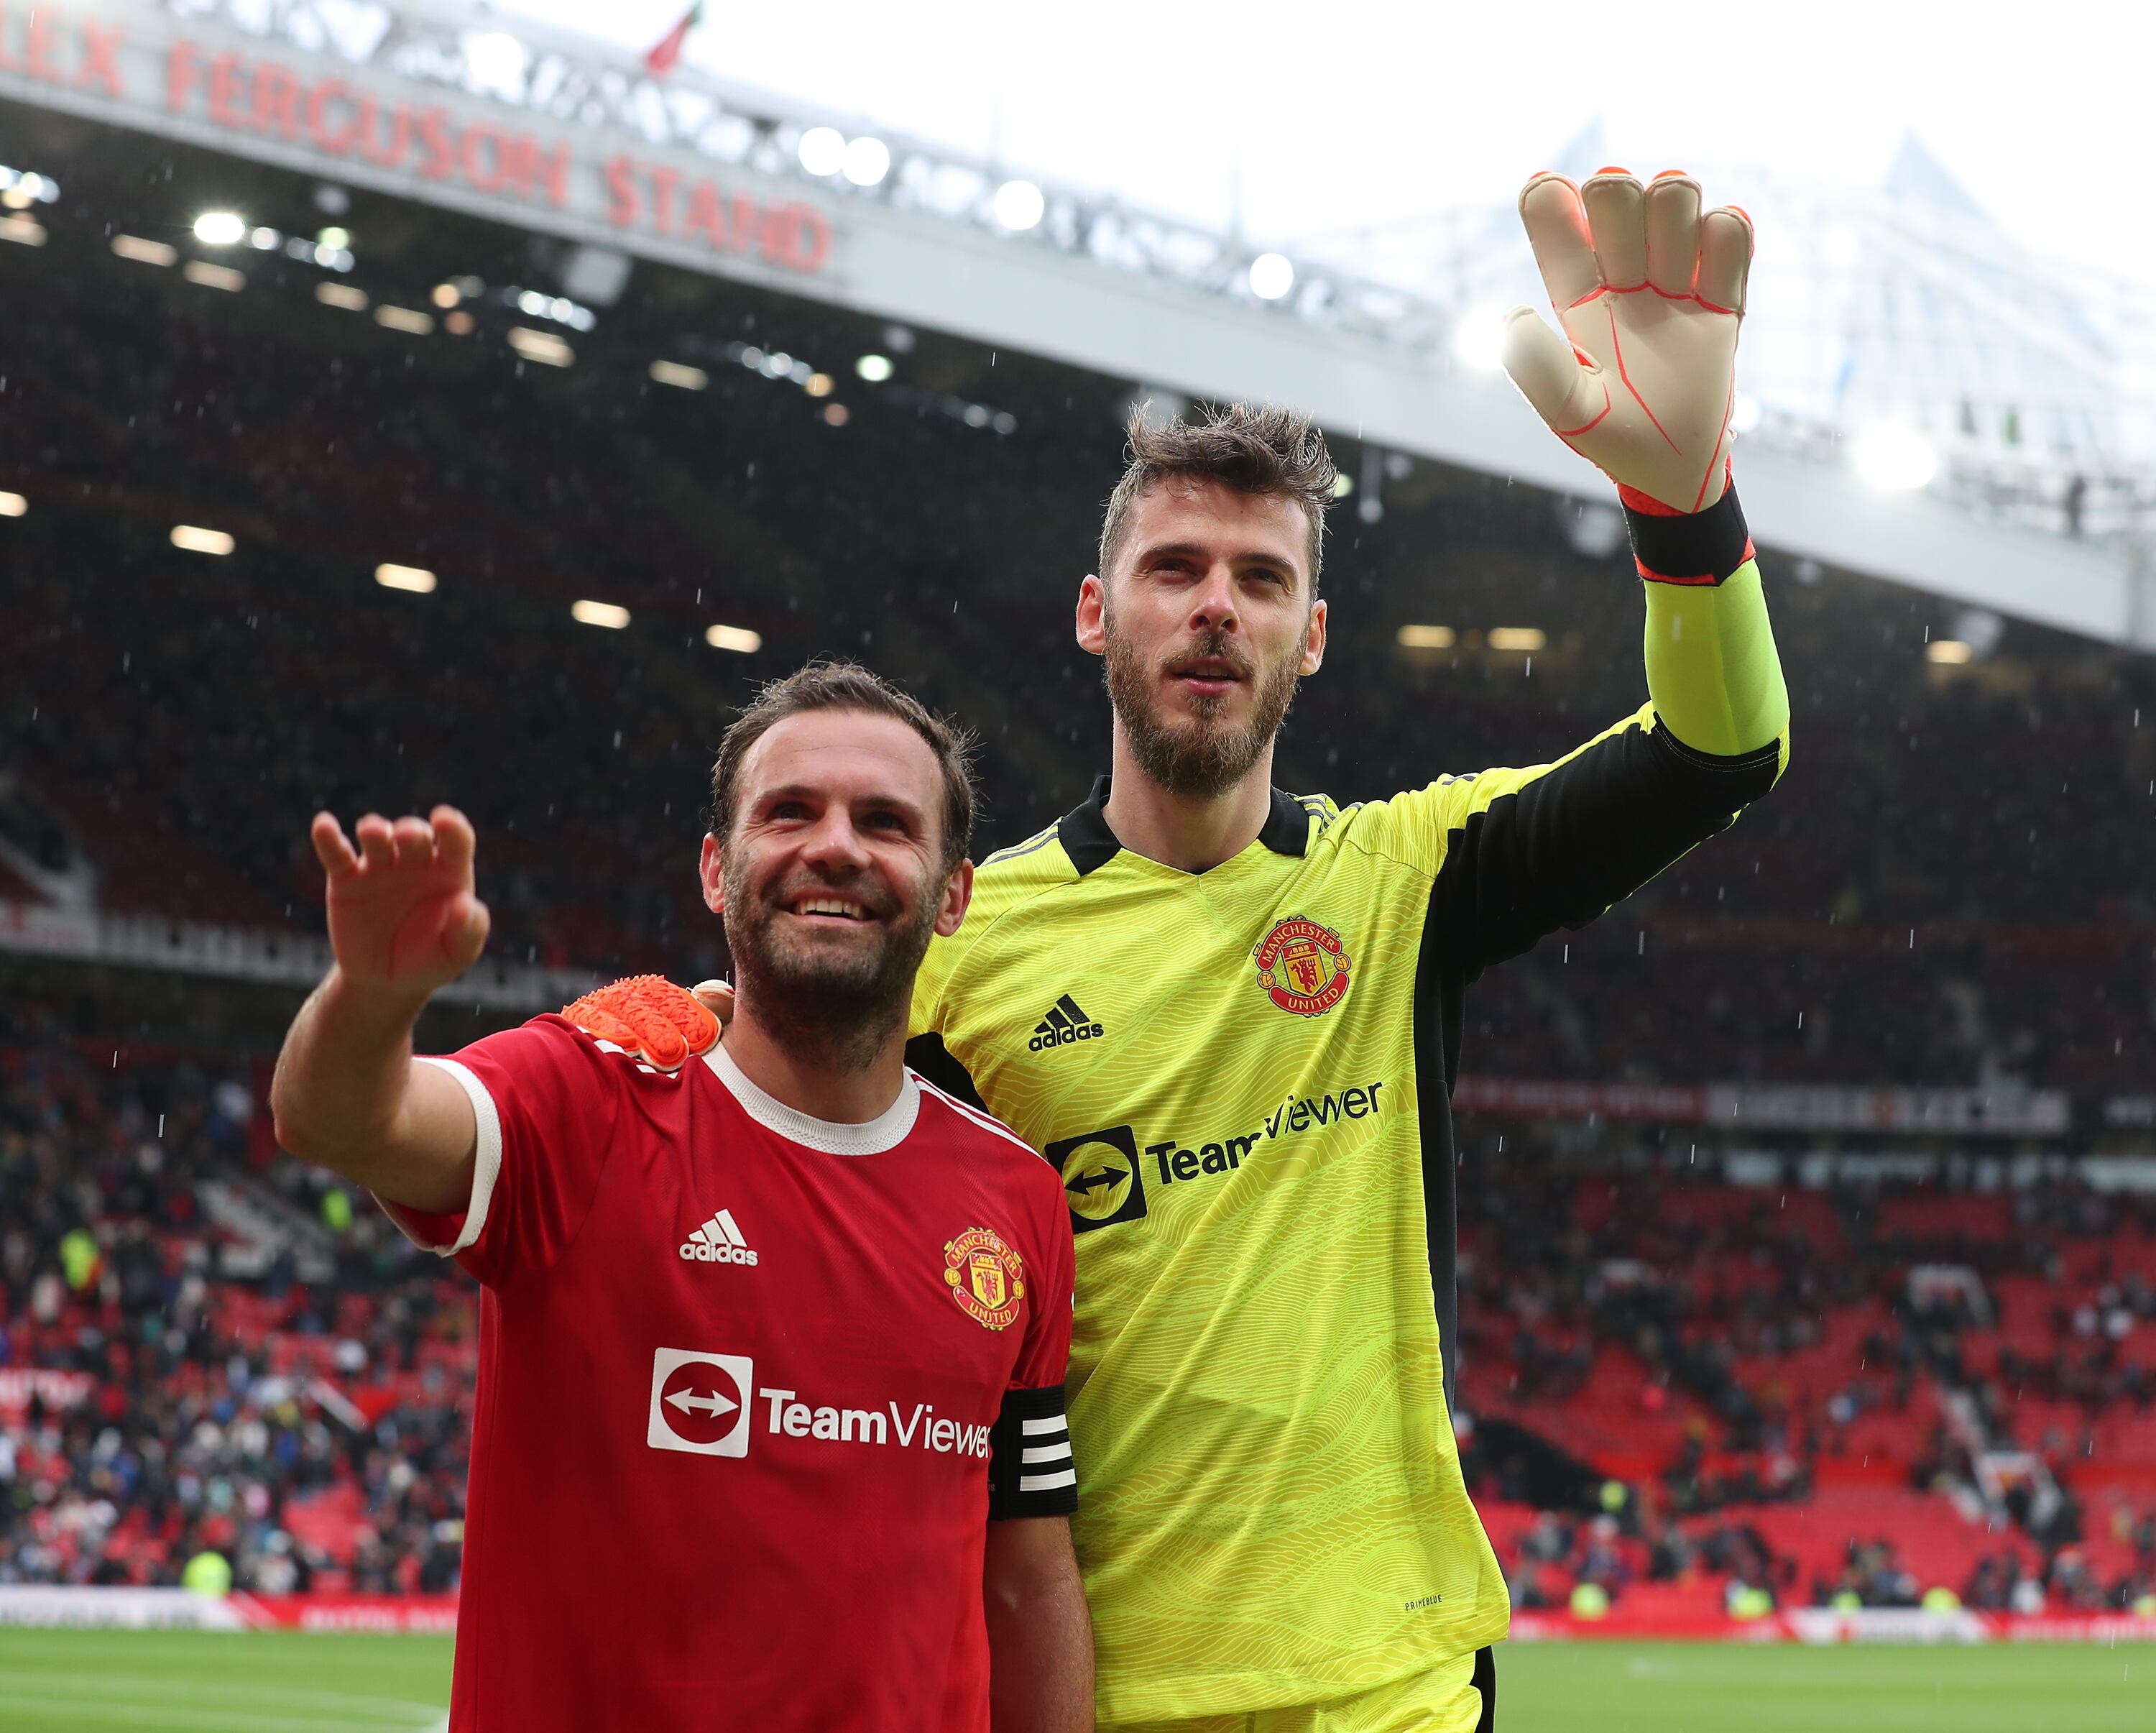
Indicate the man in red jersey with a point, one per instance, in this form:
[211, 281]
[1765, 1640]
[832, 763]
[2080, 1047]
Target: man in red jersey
[770, 1422]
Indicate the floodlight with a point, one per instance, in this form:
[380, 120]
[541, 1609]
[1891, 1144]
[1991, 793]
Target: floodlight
[220, 228]
[823, 150]
[417, 579]
[197, 540]
[735, 638]
[867, 161]
[1426, 637]
[1527, 638]
[1271, 276]
[874, 368]
[1478, 339]
[1019, 205]
[1894, 458]
[599, 614]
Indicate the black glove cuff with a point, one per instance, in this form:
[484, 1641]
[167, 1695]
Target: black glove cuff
[1700, 547]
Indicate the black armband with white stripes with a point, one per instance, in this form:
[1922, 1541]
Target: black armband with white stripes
[1030, 1471]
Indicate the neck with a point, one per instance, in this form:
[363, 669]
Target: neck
[848, 1076]
[1192, 833]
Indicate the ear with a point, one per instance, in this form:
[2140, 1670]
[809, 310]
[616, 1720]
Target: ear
[710, 871]
[1313, 640]
[1092, 633]
[957, 896]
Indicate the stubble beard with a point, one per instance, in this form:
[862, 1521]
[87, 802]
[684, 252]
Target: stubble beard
[842, 1005]
[1204, 757]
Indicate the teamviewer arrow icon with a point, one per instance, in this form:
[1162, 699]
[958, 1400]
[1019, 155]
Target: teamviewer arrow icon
[714, 1404]
[1093, 1181]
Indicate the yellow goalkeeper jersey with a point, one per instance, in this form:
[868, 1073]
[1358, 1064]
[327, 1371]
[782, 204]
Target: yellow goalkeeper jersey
[1244, 1076]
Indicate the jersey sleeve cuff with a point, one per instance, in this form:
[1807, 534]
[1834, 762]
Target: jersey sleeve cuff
[1694, 547]
[447, 1232]
[1030, 1469]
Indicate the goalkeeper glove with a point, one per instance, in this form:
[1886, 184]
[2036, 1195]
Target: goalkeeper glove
[1650, 293]
[649, 1016]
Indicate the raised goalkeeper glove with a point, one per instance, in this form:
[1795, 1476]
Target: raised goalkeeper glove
[1650, 293]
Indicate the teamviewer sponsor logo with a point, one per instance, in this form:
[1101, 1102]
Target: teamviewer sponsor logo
[718, 1241]
[700, 1402]
[1101, 1177]
[1064, 1025]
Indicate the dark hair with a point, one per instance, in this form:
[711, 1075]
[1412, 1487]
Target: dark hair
[848, 686]
[1267, 450]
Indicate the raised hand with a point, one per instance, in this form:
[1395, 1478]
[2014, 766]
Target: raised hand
[402, 918]
[1650, 293]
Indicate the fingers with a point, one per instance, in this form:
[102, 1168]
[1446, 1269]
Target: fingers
[453, 841]
[1672, 223]
[465, 927]
[1548, 373]
[716, 997]
[378, 842]
[1616, 208]
[415, 842]
[330, 847]
[1557, 229]
[1725, 258]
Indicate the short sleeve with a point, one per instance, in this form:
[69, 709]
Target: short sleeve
[1031, 1471]
[547, 1099]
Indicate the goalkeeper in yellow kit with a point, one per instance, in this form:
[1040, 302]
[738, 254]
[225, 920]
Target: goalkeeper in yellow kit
[1232, 1015]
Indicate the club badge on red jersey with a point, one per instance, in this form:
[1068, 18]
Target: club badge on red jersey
[1303, 967]
[985, 1276]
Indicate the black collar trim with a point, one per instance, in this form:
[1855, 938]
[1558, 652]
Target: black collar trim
[1086, 838]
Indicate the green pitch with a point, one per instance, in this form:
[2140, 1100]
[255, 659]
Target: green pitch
[185, 1682]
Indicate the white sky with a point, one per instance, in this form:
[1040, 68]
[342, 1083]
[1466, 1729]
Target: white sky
[1347, 111]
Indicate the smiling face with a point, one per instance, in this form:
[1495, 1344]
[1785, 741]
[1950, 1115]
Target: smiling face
[831, 880]
[1205, 625]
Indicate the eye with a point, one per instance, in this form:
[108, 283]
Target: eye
[782, 810]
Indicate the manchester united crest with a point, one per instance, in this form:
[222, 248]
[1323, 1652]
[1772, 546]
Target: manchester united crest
[986, 1277]
[1303, 967]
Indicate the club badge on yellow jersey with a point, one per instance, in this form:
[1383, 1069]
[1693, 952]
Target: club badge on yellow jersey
[985, 1275]
[1302, 967]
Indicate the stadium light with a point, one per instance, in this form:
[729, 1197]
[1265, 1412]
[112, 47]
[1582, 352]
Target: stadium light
[1343, 484]
[820, 384]
[460, 323]
[1478, 339]
[1527, 638]
[334, 239]
[675, 373]
[497, 60]
[409, 319]
[446, 296]
[1744, 414]
[1019, 205]
[220, 228]
[1271, 276]
[874, 368]
[1426, 637]
[836, 415]
[1951, 651]
[1894, 458]
[868, 161]
[213, 276]
[197, 540]
[12, 505]
[145, 252]
[27, 231]
[264, 241]
[540, 346]
[599, 614]
[342, 295]
[823, 150]
[417, 579]
[740, 639]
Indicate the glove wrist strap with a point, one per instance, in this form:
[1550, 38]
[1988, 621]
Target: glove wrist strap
[1694, 547]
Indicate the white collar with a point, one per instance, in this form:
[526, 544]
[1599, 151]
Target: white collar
[872, 1137]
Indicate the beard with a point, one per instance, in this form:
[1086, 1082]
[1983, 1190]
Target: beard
[1204, 757]
[840, 995]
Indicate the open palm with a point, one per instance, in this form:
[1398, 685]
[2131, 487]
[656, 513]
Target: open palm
[1650, 293]
[402, 916]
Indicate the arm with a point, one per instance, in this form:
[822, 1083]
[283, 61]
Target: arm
[1040, 1639]
[402, 923]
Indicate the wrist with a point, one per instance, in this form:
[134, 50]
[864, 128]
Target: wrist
[1700, 547]
[383, 1006]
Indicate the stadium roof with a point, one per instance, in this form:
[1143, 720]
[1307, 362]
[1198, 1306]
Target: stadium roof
[563, 137]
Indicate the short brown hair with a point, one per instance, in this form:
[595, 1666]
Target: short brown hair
[848, 686]
[1269, 451]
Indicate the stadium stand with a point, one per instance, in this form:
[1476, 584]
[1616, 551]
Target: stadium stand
[1850, 1362]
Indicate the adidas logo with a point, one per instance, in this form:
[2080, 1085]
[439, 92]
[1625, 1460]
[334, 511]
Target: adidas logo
[1064, 1024]
[718, 1241]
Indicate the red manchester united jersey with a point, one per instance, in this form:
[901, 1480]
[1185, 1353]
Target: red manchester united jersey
[751, 1385]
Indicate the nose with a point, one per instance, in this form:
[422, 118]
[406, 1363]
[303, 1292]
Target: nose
[1212, 606]
[833, 843]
